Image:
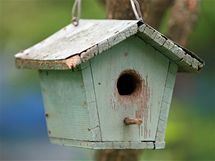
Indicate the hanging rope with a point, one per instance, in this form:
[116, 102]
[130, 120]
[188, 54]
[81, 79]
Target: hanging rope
[76, 12]
[136, 9]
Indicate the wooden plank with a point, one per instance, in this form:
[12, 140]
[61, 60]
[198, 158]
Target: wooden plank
[65, 104]
[91, 102]
[165, 106]
[152, 67]
[185, 59]
[72, 40]
[103, 145]
[44, 65]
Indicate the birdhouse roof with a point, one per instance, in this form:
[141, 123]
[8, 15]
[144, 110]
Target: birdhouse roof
[73, 45]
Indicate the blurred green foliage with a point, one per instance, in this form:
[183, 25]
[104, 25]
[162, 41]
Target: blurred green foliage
[203, 36]
[25, 22]
[190, 135]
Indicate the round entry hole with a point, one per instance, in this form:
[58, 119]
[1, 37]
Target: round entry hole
[128, 83]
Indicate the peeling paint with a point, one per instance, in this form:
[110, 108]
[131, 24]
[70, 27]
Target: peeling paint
[140, 97]
[134, 96]
[142, 104]
[73, 61]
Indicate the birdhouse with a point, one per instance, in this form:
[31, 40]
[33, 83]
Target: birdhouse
[107, 84]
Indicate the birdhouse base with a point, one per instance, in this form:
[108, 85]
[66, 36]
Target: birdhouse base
[108, 144]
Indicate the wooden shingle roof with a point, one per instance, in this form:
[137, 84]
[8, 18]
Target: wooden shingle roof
[72, 45]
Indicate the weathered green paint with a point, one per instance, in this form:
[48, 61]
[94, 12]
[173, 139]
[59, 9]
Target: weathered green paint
[165, 106]
[152, 66]
[79, 68]
[84, 109]
[65, 104]
[91, 102]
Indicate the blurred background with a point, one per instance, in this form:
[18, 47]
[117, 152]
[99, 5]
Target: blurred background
[191, 126]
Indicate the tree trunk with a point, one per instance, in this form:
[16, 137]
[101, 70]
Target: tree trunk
[117, 155]
[152, 10]
[182, 20]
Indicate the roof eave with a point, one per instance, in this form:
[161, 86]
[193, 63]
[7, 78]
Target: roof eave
[77, 59]
[186, 60]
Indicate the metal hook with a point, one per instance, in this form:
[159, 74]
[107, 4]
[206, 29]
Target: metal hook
[136, 9]
[76, 12]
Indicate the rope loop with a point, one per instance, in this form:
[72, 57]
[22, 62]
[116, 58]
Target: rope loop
[136, 9]
[76, 12]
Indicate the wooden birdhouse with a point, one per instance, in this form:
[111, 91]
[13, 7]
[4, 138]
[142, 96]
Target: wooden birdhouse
[107, 84]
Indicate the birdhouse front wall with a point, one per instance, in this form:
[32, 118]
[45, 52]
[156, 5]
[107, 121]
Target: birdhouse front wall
[137, 59]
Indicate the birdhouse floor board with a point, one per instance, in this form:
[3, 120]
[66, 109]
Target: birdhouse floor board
[105, 145]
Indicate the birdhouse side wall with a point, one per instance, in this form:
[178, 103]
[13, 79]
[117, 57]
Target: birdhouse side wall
[65, 104]
[165, 106]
